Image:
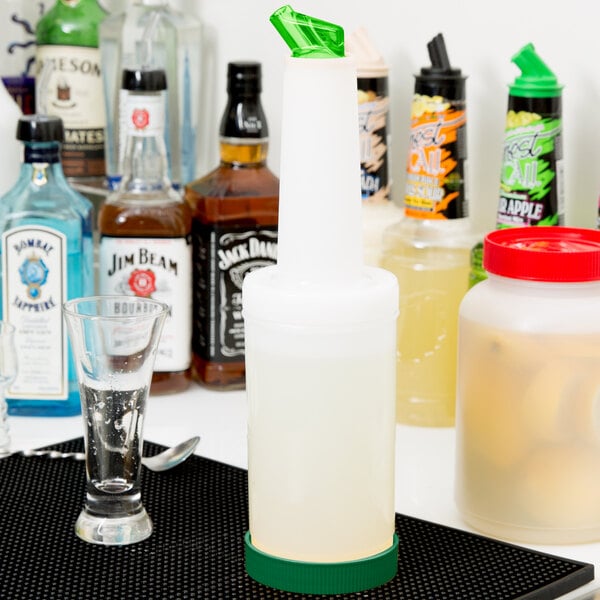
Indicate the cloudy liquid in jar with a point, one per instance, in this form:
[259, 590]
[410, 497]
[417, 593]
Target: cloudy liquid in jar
[528, 434]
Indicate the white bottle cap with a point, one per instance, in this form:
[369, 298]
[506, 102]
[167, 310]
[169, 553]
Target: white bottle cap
[369, 61]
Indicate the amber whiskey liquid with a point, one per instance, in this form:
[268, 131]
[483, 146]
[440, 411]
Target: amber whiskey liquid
[234, 229]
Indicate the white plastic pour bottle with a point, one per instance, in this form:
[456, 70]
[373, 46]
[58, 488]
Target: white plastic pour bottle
[320, 348]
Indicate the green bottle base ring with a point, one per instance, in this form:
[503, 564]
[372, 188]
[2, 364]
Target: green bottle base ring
[321, 578]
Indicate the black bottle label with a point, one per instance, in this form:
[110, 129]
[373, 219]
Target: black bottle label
[223, 255]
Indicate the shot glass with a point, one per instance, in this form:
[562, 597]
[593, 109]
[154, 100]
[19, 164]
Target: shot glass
[114, 341]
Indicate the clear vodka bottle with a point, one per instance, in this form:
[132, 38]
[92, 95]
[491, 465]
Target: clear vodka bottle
[151, 35]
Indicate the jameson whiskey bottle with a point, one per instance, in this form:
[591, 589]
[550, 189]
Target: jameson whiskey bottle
[47, 258]
[234, 230]
[145, 246]
[69, 83]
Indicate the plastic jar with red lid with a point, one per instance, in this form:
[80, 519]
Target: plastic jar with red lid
[528, 388]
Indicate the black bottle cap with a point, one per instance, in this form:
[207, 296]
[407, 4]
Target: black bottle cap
[139, 80]
[244, 77]
[40, 128]
[440, 79]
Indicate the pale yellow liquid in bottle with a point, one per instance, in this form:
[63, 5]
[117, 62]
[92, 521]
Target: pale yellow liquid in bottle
[308, 480]
[433, 280]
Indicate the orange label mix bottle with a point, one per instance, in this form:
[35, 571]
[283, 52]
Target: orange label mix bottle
[428, 250]
[435, 187]
[234, 231]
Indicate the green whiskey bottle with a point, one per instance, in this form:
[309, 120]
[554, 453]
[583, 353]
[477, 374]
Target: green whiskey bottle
[69, 83]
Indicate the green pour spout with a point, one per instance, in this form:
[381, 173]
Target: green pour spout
[308, 37]
[536, 79]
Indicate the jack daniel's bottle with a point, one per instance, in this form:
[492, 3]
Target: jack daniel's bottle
[234, 230]
[145, 247]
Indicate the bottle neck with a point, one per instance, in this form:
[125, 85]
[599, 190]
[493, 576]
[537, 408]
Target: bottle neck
[145, 167]
[319, 103]
[41, 152]
[243, 152]
[243, 132]
[41, 163]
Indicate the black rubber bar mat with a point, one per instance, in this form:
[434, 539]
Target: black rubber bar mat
[199, 510]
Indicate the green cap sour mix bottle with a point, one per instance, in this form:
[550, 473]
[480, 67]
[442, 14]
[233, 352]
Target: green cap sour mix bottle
[531, 183]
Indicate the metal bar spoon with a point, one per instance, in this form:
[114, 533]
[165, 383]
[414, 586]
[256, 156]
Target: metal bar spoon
[167, 459]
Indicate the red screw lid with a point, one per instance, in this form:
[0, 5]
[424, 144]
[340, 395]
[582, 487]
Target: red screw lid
[566, 254]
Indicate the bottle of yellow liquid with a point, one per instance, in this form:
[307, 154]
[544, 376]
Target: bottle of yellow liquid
[428, 250]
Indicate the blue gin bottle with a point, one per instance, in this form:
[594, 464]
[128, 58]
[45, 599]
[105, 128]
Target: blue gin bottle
[46, 258]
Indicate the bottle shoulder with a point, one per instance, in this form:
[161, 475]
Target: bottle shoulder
[431, 232]
[532, 306]
[138, 15]
[54, 198]
[71, 26]
[248, 195]
[233, 181]
[122, 216]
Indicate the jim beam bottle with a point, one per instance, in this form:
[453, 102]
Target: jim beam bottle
[145, 245]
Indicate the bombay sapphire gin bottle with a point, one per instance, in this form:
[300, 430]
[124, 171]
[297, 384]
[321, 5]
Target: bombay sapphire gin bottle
[47, 257]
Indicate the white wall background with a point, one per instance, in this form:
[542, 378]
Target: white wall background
[481, 37]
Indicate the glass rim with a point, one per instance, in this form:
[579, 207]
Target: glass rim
[67, 307]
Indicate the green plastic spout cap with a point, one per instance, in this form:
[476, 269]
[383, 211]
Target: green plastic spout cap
[536, 79]
[306, 36]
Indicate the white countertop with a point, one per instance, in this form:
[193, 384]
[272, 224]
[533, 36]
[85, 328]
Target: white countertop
[424, 456]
